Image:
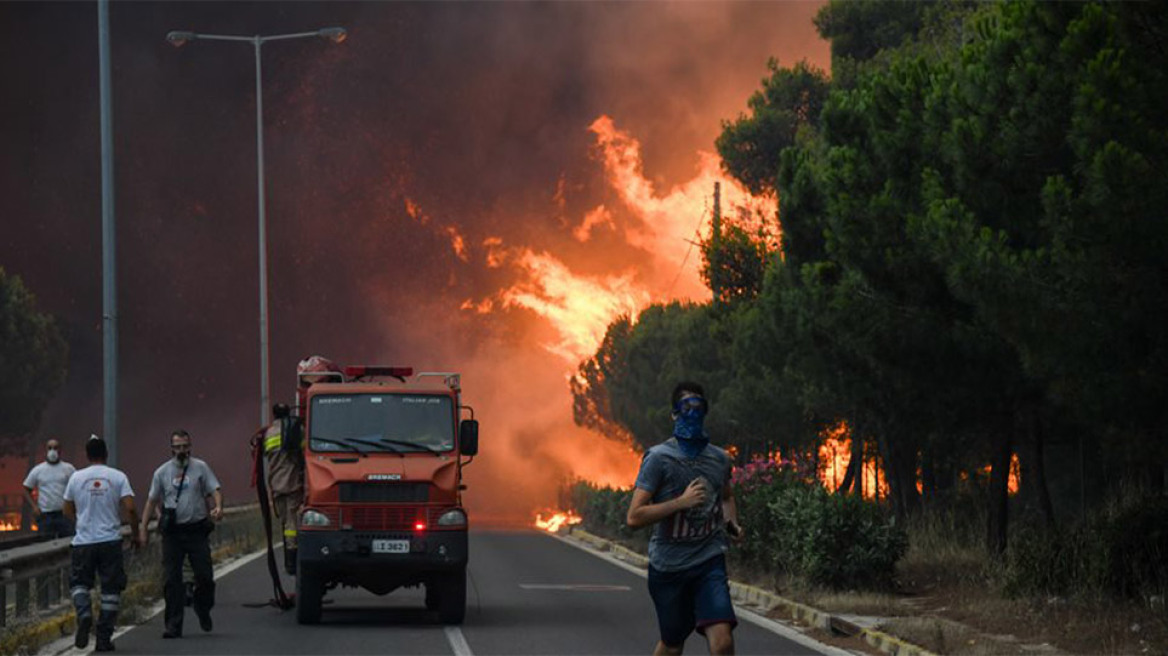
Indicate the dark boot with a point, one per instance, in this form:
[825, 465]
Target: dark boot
[290, 561]
[83, 605]
[105, 630]
[84, 626]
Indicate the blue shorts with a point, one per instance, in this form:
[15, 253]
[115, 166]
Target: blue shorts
[692, 598]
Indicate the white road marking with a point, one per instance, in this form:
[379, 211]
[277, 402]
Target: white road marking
[64, 646]
[748, 615]
[457, 641]
[583, 587]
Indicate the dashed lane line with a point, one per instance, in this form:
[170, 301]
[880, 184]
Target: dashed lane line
[746, 614]
[457, 641]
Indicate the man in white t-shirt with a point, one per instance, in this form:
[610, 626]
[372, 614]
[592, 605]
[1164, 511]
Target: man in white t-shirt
[48, 479]
[95, 498]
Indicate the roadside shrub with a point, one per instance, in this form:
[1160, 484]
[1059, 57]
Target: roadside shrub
[1059, 562]
[1119, 551]
[795, 527]
[1137, 548]
[603, 511]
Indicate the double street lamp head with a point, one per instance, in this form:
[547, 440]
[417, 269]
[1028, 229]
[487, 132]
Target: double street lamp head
[179, 38]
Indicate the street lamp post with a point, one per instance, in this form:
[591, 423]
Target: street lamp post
[179, 38]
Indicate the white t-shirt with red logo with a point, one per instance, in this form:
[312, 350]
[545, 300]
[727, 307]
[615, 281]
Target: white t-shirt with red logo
[97, 493]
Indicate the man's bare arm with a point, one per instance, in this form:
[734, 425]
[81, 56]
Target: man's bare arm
[642, 512]
[147, 514]
[36, 509]
[70, 511]
[217, 507]
[730, 512]
[131, 512]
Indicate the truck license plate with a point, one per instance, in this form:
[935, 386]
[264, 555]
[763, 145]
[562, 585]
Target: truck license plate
[391, 546]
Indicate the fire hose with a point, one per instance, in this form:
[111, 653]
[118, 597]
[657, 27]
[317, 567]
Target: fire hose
[280, 599]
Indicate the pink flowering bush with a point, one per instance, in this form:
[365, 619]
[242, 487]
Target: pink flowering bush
[794, 526]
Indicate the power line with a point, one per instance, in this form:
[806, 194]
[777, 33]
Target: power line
[697, 235]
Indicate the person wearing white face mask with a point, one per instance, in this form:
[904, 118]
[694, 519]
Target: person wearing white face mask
[48, 479]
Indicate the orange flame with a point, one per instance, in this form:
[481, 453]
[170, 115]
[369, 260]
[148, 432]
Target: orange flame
[1012, 484]
[835, 453]
[580, 307]
[664, 225]
[557, 521]
[668, 221]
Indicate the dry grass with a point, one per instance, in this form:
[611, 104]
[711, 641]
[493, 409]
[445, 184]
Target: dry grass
[949, 601]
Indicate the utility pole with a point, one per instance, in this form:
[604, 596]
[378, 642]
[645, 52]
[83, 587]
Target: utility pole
[716, 276]
[109, 294]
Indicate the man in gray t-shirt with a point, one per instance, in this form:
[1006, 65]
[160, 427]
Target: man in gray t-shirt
[182, 487]
[684, 488]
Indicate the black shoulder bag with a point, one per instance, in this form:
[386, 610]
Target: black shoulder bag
[168, 519]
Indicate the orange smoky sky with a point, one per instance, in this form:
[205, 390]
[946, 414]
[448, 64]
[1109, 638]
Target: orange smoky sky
[475, 187]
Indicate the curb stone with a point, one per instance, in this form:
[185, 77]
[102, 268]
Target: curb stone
[768, 601]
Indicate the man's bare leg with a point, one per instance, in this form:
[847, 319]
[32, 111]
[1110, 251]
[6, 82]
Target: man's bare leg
[663, 649]
[721, 639]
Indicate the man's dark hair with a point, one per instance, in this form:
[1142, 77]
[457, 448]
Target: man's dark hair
[280, 410]
[179, 433]
[683, 387]
[95, 449]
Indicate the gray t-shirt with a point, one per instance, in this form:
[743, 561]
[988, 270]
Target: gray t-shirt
[49, 481]
[199, 483]
[689, 537]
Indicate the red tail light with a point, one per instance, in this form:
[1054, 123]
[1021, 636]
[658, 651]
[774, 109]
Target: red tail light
[419, 526]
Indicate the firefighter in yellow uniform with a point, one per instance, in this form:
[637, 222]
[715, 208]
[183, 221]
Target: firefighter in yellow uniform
[284, 457]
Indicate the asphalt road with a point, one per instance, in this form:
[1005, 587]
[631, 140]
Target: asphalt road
[529, 594]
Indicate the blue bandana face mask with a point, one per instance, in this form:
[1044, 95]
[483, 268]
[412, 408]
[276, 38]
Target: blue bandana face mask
[688, 427]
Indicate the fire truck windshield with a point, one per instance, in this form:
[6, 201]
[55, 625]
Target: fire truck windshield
[394, 423]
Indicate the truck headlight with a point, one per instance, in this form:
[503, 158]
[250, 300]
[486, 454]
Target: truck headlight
[453, 517]
[314, 518]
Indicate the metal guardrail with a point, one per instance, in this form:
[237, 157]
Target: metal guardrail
[38, 573]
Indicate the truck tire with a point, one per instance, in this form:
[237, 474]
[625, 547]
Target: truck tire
[432, 594]
[309, 597]
[452, 597]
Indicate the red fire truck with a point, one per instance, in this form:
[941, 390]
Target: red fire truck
[384, 453]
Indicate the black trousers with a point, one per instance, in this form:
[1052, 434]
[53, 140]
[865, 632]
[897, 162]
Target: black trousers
[181, 543]
[102, 561]
[54, 524]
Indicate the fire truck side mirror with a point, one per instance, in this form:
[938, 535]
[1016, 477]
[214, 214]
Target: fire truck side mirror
[468, 437]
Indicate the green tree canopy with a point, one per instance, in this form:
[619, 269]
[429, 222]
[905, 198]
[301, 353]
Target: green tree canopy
[33, 357]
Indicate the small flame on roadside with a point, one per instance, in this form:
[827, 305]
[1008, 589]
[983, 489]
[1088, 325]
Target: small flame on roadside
[10, 522]
[557, 521]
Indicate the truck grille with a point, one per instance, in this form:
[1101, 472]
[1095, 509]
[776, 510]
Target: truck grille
[384, 518]
[384, 492]
[388, 519]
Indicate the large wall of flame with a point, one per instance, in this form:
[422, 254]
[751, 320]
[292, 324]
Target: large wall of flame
[451, 188]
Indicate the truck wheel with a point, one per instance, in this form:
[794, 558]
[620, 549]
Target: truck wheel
[309, 596]
[452, 597]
